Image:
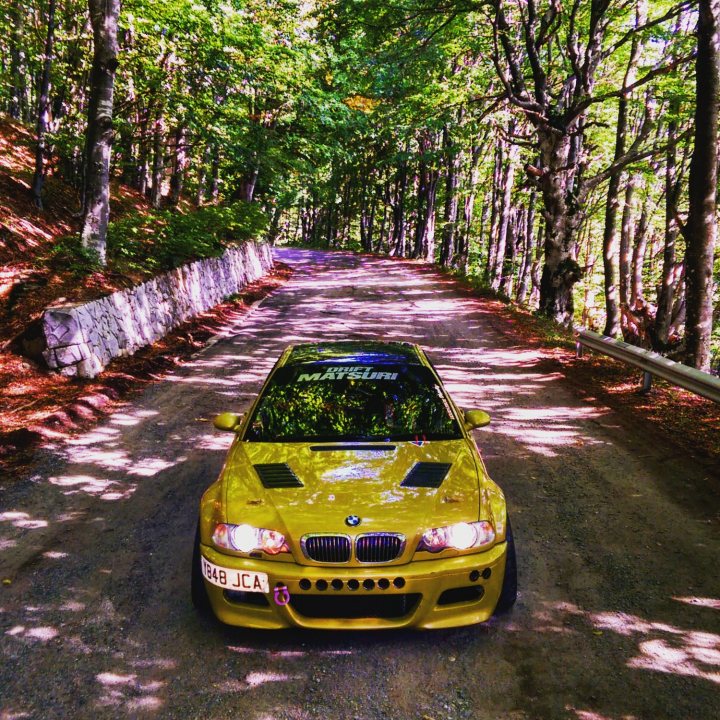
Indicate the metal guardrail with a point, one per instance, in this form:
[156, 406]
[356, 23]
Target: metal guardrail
[652, 364]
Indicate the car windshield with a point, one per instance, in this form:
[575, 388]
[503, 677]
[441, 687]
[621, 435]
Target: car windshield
[322, 402]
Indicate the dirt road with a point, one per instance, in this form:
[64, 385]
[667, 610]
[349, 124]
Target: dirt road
[617, 534]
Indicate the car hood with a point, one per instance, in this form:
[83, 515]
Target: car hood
[338, 481]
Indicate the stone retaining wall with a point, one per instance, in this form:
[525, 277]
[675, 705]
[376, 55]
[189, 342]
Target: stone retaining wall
[82, 338]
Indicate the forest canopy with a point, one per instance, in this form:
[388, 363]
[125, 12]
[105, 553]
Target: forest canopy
[549, 150]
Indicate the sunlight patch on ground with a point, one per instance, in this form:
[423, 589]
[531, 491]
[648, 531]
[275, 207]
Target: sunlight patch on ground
[590, 715]
[565, 413]
[284, 654]
[108, 436]
[54, 555]
[149, 467]
[254, 679]
[72, 606]
[144, 703]
[164, 663]
[713, 603]
[661, 647]
[109, 678]
[124, 420]
[221, 442]
[103, 488]
[43, 633]
[698, 650]
[679, 652]
[22, 520]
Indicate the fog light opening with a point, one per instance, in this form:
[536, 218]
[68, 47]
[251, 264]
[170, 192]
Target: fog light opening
[486, 573]
[399, 582]
[383, 583]
[353, 584]
[337, 584]
[369, 584]
[321, 585]
[305, 584]
[474, 576]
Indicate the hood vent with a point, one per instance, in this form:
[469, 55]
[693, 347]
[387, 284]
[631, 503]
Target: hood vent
[277, 475]
[426, 474]
[333, 448]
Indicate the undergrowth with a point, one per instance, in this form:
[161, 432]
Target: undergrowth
[152, 242]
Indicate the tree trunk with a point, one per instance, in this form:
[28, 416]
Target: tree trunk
[563, 216]
[158, 163]
[19, 91]
[535, 269]
[515, 233]
[141, 182]
[104, 19]
[371, 219]
[463, 251]
[274, 227]
[626, 240]
[701, 227]
[347, 204]
[453, 159]
[526, 266]
[639, 250]
[398, 236]
[667, 287]
[201, 190]
[180, 162]
[610, 248]
[368, 205]
[384, 222]
[428, 177]
[508, 181]
[246, 190]
[43, 120]
[215, 174]
[495, 209]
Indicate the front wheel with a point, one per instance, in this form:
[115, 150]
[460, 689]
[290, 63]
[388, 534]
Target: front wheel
[198, 591]
[508, 594]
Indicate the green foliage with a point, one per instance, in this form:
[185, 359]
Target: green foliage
[165, 239]
[68, 253]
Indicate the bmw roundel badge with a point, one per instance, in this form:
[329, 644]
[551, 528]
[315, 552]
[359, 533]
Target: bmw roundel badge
[352, 520]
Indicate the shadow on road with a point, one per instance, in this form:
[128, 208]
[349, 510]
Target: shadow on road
[619, 602]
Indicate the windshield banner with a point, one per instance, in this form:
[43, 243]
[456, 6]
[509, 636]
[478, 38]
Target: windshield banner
[362, 372]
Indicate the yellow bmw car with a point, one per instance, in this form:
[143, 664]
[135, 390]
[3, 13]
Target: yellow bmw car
[353, 496]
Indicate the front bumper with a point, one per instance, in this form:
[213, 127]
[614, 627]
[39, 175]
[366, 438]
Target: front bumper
[413, 595]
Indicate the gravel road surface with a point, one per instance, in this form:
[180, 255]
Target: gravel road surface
[618, 616]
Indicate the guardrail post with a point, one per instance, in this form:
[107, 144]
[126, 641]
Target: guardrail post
[647, 382]
[578, 348]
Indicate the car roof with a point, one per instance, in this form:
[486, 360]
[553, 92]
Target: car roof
[361, 352]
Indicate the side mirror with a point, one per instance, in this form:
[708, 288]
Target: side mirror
[227, 421]
[476, 419]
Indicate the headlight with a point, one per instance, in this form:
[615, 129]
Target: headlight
[460, 536]
[246, 538]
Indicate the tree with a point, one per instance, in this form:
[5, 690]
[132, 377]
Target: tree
[104, 19]
[610, 244]
[701, 228]
[43, 113]
[555, 92]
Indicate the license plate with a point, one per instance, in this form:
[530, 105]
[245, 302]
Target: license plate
[239, 580]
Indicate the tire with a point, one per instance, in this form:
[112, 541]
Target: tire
[198, 592]
[508, 594]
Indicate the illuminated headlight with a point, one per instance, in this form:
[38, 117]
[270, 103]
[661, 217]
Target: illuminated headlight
[246, 538]
[460, 536]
